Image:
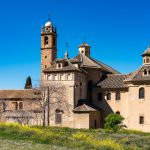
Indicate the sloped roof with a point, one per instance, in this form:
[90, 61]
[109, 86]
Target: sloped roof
[69, 67]
[113, 81]
[86, 108]
[106, 67]
[83, 61]
[86, 61]
[89, 62]
[146, 52]
[18, 94]
[84, 45]
[138, 75]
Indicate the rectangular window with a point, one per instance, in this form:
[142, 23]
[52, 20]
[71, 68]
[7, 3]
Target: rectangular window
[141, 120]
[100, 96]
[58, 118]
[147, 60]
[117, 95]
[108, 96]
[95, 123]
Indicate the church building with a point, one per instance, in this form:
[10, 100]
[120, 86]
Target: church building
[89, 90]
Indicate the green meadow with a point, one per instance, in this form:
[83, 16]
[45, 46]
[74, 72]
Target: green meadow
[15, 136]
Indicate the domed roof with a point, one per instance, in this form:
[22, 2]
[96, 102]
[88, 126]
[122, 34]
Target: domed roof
[48, 24]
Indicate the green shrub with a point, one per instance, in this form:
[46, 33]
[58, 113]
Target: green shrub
[113, 122]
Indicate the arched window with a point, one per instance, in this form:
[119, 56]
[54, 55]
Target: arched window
[59, 65]
[118, 112]
[65, 64]
[141, 93]
[145, 72]
[58, 116]
[108, 96]
[68, 76]
[45, 40]
[20, 105]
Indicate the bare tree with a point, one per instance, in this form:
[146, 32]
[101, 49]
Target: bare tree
[52, 96]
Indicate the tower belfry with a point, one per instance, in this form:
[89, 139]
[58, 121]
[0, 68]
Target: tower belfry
[48, 46]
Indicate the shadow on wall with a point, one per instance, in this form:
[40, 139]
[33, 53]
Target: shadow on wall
[106, 109]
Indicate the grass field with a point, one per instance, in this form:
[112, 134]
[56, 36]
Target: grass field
[25, 145]
[17, 137]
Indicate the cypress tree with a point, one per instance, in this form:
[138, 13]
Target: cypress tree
[28, 84]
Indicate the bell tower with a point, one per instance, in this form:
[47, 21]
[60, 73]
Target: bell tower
[48, 46]
[146, 56]
[84, 49]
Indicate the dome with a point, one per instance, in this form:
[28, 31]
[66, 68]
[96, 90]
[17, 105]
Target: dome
[48, 23]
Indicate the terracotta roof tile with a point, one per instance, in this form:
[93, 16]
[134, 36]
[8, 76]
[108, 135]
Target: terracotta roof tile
[138, 75]
[113, 81]
[18, 94]
[89, 62]
[86, 108]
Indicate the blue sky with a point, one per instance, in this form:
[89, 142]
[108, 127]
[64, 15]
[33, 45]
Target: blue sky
[117, 30]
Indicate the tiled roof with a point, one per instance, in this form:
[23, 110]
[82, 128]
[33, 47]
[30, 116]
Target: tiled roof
[69, 67]
[18, 94]
[86, 108]
[113, 81]
[84, 45]
[138, 75]
[83, 61]
[88, 62]
[106, 67]
[146, 52]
